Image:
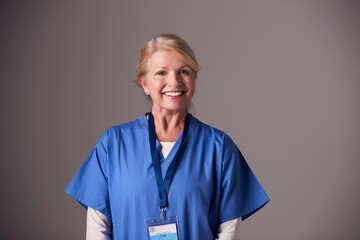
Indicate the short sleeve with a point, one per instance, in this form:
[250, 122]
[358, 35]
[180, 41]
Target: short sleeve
[241, 193]
[89, 186]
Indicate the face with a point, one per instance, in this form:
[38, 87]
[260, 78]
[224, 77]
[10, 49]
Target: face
[169, 81]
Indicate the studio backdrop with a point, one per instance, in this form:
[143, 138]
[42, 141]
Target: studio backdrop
[282, 78]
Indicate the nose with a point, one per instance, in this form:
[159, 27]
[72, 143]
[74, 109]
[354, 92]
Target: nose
[174, 78]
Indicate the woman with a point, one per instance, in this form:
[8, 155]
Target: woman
[166, 174]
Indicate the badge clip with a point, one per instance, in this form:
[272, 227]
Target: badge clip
[163, 214]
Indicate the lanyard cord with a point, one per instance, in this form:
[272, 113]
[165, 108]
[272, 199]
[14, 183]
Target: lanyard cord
[163, 184]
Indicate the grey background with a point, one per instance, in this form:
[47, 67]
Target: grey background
[280, 77]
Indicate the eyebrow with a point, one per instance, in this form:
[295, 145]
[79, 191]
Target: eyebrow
[185, 66]
[165, 67]
[160, 67]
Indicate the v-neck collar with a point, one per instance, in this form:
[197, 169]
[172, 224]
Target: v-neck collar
[165, 162]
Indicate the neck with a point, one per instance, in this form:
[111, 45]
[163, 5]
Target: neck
[168, 124]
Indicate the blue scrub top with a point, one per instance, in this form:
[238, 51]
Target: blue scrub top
[212, 182]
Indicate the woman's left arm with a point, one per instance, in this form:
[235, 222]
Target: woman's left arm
[229, 230]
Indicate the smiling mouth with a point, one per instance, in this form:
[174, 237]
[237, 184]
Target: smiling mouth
[174, 94]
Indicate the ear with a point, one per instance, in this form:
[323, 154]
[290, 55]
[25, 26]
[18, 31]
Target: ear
[143, 84]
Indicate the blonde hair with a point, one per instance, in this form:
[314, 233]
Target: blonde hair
[170, 42]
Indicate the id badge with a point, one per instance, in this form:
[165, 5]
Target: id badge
[164, 229]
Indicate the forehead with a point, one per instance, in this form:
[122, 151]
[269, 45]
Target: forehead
[166, 58]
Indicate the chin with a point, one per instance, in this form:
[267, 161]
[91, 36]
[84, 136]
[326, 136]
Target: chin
[176, 108]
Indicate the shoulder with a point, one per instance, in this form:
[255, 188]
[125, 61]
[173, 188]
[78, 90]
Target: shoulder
[128, 129]
[213, 134]
[206, 129]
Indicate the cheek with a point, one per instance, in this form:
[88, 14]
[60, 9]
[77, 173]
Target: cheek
[191, 88]
[192, 84]
[154, 85]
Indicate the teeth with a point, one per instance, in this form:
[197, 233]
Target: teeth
[173, 93]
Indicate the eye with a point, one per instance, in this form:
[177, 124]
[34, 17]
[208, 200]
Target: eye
[184, 71]
[161, 73]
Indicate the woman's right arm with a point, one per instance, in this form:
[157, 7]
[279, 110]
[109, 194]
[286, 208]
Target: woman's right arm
[97, 225]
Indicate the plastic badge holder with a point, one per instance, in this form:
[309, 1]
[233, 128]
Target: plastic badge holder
[164, 229]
